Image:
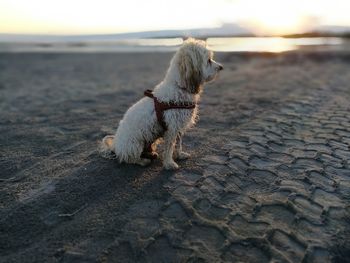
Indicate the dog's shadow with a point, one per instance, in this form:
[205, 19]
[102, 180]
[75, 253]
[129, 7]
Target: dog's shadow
[96, 192]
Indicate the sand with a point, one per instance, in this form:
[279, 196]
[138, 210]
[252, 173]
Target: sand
[268, 180]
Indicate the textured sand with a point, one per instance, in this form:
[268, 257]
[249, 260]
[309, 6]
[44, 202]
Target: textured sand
[269, 177]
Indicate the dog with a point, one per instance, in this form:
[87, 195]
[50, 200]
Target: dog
[167, 112]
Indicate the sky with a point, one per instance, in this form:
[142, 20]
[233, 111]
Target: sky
[115, 16]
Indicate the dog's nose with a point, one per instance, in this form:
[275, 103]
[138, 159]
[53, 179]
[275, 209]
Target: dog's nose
[221, 67]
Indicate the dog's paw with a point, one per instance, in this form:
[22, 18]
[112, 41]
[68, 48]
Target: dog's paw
[143, 162]
[182, 155]
[171, 165]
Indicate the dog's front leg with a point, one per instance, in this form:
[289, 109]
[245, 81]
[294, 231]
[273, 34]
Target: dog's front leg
[179, 154]
[169, 145]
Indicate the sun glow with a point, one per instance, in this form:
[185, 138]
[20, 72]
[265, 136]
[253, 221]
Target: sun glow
[273, 17]
[277, 24]
[112, 16]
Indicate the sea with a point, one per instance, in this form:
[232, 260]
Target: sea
[218, 44]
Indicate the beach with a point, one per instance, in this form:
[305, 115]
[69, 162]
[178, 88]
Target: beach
[268, 179]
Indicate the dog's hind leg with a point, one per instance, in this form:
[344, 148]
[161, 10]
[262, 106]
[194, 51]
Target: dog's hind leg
[149, 151]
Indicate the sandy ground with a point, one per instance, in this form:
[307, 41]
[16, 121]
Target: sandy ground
[268, 181]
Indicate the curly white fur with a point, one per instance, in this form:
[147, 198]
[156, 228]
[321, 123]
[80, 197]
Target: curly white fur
[191, 66]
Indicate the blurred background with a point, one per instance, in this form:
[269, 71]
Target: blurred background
[155, 25]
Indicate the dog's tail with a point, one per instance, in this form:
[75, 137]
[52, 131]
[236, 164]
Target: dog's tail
[106, 148]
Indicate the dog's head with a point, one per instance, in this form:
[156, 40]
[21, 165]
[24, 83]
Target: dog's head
[196, 65]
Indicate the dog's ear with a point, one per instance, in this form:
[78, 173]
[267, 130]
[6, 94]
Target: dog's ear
[190, 71]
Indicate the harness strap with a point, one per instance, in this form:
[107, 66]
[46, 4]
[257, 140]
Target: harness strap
[160, 107]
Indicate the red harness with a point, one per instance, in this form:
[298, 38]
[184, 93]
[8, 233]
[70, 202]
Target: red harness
[160, 107]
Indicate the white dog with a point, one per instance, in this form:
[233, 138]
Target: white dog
[167, 112]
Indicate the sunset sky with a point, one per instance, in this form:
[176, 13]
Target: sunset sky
[113, 16]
